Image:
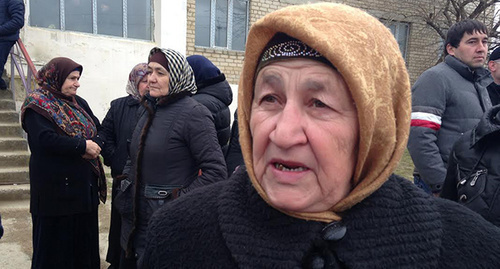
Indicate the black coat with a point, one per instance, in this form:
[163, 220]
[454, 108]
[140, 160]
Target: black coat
[228, 225]
[234, 157]
[61, 181]
[116, 131]
[494, 93]
[473, 175]
[216, 95]
[11, 19]
[168, 150]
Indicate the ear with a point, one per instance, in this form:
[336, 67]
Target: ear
[491, 66]
[450, 49]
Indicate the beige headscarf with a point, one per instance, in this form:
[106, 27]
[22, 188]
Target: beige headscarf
[368, 57]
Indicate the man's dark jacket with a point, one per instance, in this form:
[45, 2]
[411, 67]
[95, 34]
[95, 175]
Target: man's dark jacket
[473, 176]
[11, 19]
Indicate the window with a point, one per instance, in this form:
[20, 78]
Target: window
[400, 32]
[221, 23]
[124, 18]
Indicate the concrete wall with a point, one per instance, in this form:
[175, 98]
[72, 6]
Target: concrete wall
[106, 60]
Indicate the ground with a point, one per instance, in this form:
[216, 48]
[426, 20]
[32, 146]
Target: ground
[15, 245]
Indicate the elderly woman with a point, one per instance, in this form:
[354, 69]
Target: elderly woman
[324, 113]
[66, 175]
[116, 131]
[174, 148]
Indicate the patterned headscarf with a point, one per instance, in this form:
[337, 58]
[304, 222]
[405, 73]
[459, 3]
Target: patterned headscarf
[62, 110]
[181, 75]
[135, 76]
[367, 56]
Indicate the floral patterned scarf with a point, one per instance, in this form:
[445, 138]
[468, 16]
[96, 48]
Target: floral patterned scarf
[71, 119]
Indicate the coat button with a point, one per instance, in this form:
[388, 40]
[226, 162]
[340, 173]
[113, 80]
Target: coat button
[317, 262]
[333, 231]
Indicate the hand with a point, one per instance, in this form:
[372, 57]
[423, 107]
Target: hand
[92, 150]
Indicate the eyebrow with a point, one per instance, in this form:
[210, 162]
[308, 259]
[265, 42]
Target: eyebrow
[158, 68]
[315, 85]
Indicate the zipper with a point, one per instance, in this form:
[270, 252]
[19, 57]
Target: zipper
[476, 176]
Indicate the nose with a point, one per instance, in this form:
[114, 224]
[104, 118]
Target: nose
[77, 84]
[289, 130]
[151, 78]
[483, 46]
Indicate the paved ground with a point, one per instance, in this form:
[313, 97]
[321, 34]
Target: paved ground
[16, 245]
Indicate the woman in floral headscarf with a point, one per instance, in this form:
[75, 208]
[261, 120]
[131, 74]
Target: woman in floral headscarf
[174, 148]
[66, 175]
[324, 113]
[116, 131]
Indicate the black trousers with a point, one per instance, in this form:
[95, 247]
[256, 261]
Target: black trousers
[5, 47]
[66, 241]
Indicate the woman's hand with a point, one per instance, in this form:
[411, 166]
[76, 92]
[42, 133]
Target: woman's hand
[92, 150]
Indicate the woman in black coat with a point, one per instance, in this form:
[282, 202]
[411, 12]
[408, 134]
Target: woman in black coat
[66, 175]
[174, 148]
[116, 131]
[214, 92]
[324, 119]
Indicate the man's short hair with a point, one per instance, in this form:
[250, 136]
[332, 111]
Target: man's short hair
[457, 31]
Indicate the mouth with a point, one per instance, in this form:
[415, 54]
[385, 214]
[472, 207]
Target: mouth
[289, 167]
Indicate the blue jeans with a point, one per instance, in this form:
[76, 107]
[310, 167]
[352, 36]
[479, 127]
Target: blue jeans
[421, 184]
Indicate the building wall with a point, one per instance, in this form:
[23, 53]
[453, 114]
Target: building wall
[422, 43]
[107, 60]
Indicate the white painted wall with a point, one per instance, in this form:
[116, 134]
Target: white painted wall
[107, 60]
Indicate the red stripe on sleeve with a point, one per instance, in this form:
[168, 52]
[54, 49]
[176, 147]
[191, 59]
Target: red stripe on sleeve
[425, 123]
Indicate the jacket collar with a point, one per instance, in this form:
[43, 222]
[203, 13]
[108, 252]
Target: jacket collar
[131, 101]
[464, 70]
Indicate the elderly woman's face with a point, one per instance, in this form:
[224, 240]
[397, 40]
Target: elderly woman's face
[305, 132]
[158, 79]
[71, 84]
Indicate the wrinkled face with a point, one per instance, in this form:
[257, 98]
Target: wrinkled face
[71, 84]
[142, 87]
[304, 128]
[471, 50]
[158, 79]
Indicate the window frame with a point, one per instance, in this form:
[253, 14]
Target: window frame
[398, 25]
[229, 31]
[95, 30]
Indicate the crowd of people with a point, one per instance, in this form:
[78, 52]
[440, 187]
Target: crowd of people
[304, 175]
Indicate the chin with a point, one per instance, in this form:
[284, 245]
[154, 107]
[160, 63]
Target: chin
[289, 204]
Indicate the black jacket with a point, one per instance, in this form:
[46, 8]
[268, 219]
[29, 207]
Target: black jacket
[234, 157]
[11, 19]
[494, 93]
[61, 181]
[228, 225]
[216, 95]
[473, 176]
[173, 151]
[116, 130]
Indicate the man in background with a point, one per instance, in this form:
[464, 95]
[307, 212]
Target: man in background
[448, 100]
[494, 66]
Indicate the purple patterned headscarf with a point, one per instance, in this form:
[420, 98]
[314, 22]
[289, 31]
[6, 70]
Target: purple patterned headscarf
[135, 76]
